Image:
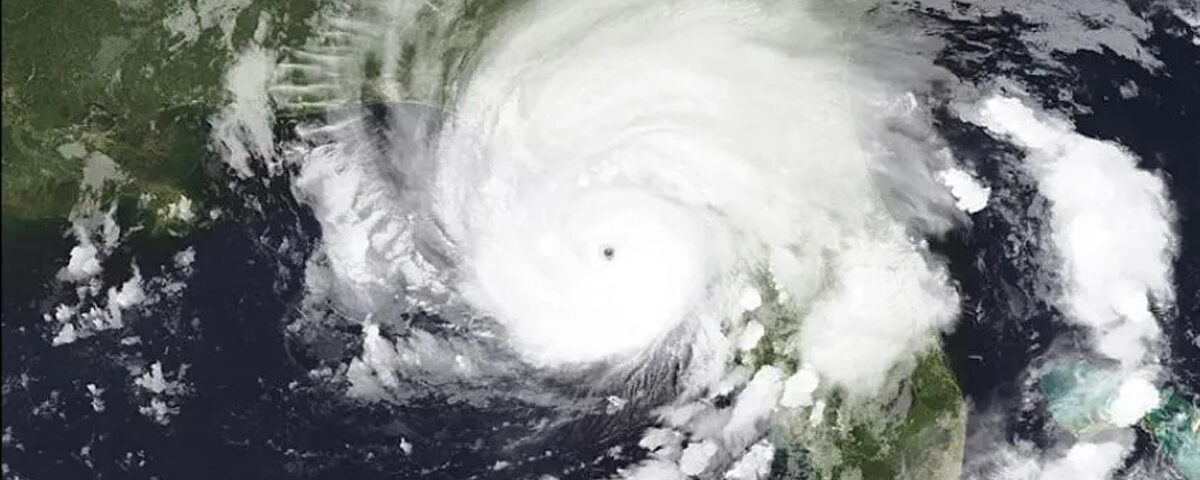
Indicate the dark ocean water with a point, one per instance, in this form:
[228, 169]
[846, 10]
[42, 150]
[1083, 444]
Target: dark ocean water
[1010, 326]
[1006, 328]
[253, 411]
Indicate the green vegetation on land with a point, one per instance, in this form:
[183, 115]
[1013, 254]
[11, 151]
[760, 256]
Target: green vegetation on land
[914, 430]
[134, 80]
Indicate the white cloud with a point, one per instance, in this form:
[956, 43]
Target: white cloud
[162, 390]
[971, 196]
[127, 297]
[691, 172]
[185, 257]
[1136, 397]
[754, 405]
[371, 227]
[653, 470]
[1086, 461]
[66, 334]
[755, 464]
[83, 262]
[887, 303]
[243, 128]
[798, 389]
[696, 456]
[181, 210]
[751, 335]
[1112, 225]
[154, 380]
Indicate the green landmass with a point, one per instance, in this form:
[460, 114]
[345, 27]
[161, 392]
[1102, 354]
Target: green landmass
[135, 80]
[1175, 425]
[138, 81]
[914, 430]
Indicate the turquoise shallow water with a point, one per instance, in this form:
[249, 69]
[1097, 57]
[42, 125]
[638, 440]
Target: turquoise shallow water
[1079, 396]
[1176, 427]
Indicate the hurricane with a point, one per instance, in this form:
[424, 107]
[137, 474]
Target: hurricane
[629, 239]
[595, 194]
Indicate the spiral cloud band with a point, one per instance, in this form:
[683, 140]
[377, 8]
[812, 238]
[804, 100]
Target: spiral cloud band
[704, 213]
[614, 173]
